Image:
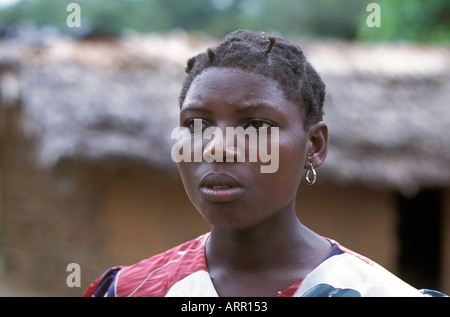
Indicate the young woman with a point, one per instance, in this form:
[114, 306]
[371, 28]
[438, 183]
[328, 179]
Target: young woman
[257, 246]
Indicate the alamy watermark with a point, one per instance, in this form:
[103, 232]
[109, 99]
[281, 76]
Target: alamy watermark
[240, 144]
[74, 18]
[374, 18]
[74, 278]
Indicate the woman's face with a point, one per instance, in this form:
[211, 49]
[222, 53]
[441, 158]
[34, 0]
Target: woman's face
[237, 195]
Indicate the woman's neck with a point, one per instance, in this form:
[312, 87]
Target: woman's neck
[280, 241]
[265, 259]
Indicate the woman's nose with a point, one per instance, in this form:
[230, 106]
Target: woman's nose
[223, 146]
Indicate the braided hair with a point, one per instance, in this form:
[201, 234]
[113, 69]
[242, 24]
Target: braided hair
[270, 56]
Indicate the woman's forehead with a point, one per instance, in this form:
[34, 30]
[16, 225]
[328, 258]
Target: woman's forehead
[232, 85]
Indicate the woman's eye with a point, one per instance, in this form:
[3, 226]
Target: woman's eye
[257, 124]
[195, 124]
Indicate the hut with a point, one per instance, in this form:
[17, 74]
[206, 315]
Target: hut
[86, 174]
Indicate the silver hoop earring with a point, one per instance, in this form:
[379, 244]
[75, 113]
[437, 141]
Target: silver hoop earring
[314, 175]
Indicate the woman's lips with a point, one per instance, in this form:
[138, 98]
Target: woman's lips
[222, 194]
[220, 188]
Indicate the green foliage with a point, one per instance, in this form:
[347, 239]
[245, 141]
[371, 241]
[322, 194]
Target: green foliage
[312, 18]
[411, 20]
[38, 12]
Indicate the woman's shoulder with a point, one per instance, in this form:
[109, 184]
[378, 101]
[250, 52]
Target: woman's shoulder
[347, 273]
[154, 275]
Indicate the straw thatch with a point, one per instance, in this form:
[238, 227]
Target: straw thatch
[387, 106]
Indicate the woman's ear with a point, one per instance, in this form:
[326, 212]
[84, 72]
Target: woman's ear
[317, 145]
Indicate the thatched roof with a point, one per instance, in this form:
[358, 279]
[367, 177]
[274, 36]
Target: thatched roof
[388, 109]
[387, 106]
[102, 98]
